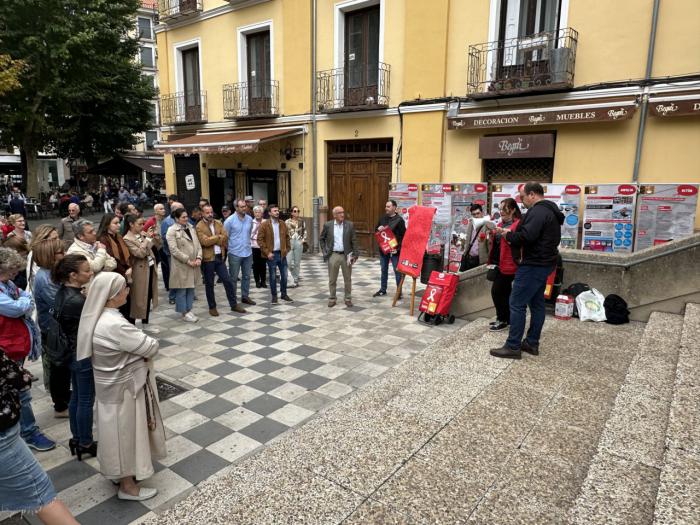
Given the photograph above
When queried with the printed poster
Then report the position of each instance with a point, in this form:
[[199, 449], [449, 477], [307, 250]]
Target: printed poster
[[566, 196], [463, 196], [405, 195], [438, 196], [608, 217], [664, 212]]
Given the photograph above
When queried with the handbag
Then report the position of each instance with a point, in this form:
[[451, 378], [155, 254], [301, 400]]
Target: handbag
[[492, 273], [57, 344], [150, 403]]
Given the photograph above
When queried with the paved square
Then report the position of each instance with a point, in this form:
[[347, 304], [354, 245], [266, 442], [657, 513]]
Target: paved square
[[249, 378]]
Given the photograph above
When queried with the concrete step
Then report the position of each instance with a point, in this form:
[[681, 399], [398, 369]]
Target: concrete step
[[678, 499], [622, 481]]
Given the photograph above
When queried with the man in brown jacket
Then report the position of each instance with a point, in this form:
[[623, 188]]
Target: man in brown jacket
[[273, 239], [213, 238]]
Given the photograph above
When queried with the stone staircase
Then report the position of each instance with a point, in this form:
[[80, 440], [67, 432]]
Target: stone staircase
[[602, 427]]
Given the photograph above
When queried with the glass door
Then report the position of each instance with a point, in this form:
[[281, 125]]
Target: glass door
[[361, 57]]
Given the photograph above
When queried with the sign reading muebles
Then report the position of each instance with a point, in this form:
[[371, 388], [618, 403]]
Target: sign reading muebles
[[538, 117]]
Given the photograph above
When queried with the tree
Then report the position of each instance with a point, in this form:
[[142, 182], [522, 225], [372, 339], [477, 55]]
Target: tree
[[82, 94], [10, 70]]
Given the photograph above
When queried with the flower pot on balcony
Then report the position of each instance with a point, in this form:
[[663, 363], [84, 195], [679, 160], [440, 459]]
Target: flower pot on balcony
[[559, 65]]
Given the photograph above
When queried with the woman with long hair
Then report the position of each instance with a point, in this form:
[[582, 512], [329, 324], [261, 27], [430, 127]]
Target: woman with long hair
[[73, 272], [109, 235], [297, 236], [128, 415], [144, 279], [501, 256], [46, 254], [259, 262]]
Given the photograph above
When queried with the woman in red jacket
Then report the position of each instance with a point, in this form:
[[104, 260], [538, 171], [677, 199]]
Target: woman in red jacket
[[501, 256]]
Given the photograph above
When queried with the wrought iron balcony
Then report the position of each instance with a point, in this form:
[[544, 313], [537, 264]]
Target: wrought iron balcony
[[183, 108], [257, 99], [172, 9], [353, 89], [539, 62]]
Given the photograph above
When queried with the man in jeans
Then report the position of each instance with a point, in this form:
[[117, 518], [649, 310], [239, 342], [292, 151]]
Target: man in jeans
[[240, 252], [396, 224], [537, 240], [214, 241], [273, 239]]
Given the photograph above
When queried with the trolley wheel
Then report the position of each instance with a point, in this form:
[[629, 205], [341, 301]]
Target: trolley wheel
[[451, 319], [438, 320]]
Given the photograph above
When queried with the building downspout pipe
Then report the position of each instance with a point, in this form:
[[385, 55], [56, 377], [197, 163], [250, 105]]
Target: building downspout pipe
[[314, 133], [645, 97]]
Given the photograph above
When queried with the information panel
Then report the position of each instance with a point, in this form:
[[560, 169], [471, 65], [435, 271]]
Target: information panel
[[463, 196], [608, 217], [405, 195], [438, 196], [664, 212]]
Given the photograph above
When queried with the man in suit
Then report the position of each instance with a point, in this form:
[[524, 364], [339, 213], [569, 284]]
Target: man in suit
[[273, 239], [339, 247]]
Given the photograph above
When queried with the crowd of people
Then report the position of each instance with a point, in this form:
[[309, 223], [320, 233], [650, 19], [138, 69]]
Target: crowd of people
[[71, 296]]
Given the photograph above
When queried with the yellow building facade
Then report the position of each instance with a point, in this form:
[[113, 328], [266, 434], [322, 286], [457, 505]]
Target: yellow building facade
[[291, 100]]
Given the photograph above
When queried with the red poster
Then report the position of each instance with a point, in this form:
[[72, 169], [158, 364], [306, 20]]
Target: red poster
[[415, 240], [386, 240]]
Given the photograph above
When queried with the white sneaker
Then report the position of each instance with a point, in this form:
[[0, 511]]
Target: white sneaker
[[189, 317], [150, 329]]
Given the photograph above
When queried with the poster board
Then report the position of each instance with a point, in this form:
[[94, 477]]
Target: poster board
[[500, 192], [608, 217], [405, 195], [664, 212], [463, 196], [439, 197]]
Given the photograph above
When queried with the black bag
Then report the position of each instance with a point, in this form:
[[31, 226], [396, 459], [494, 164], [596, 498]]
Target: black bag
[[492, 274], [57, 344], [616, 311]]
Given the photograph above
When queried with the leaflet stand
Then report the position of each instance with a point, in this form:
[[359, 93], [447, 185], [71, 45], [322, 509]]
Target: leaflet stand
[[398, 293]]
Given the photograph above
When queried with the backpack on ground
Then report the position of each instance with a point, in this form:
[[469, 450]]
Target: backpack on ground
[[616, 311], [574, 290]]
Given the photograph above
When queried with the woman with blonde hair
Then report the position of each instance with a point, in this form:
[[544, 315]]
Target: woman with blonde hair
[[128, 415], [19, 240]]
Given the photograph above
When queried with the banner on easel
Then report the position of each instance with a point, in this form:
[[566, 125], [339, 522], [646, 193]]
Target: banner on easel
[[415, 239]]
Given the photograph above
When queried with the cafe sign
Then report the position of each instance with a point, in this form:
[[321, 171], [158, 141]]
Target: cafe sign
[[675, 106], [544, 116], [517, 146]]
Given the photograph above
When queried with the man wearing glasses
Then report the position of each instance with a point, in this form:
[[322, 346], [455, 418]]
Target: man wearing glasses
[[477, 250], [240, 252]]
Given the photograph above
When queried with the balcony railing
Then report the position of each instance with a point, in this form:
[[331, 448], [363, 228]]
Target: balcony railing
[[183, 108], [352, 89], [543, 61], [171, 9], [255, 99]]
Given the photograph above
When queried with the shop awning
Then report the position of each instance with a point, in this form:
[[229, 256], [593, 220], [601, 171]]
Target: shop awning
[[227, 142], [595, 111], [148, 164], [679, 105]]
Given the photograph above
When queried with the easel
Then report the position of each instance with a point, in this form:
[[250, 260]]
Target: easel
[[398, 293]]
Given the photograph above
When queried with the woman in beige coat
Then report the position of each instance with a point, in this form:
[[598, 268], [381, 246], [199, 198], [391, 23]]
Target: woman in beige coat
[[128, 416], [144, 280], [185, 260]]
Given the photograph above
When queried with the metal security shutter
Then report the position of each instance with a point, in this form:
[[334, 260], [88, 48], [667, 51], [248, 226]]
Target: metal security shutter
[[518, 170]]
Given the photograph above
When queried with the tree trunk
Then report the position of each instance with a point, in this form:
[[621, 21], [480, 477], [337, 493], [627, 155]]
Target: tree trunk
[[30, 170]]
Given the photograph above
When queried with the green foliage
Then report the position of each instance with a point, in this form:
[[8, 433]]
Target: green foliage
[[10, 70], [82, 94]]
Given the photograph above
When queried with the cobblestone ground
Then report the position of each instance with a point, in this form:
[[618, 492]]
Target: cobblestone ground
[[248, 378]]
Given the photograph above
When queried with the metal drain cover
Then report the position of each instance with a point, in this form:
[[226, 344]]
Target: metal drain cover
[[166, 389]]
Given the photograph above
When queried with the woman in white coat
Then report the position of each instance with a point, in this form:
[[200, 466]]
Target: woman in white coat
[[185, 261], [128, 416]]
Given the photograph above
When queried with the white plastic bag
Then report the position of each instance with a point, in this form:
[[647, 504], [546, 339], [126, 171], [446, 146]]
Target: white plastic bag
[[590, 306]]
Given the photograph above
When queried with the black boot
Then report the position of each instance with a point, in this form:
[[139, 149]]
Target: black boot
[[527, 347], [91, 449]]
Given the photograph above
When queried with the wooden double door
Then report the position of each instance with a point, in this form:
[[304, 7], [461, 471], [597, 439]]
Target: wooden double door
[[361, 186]]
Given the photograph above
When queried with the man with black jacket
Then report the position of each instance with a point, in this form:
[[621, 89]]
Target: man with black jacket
[[396, 224], [535, 246]]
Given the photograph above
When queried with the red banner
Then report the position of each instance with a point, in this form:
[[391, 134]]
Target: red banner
[[413, 245]]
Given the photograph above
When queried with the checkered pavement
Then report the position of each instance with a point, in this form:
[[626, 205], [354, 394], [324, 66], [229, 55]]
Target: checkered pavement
[[249, 378]]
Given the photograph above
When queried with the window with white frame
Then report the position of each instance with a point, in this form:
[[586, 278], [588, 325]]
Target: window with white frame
[[147, 57], [145, 28], [256, 69], [151, 138]]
